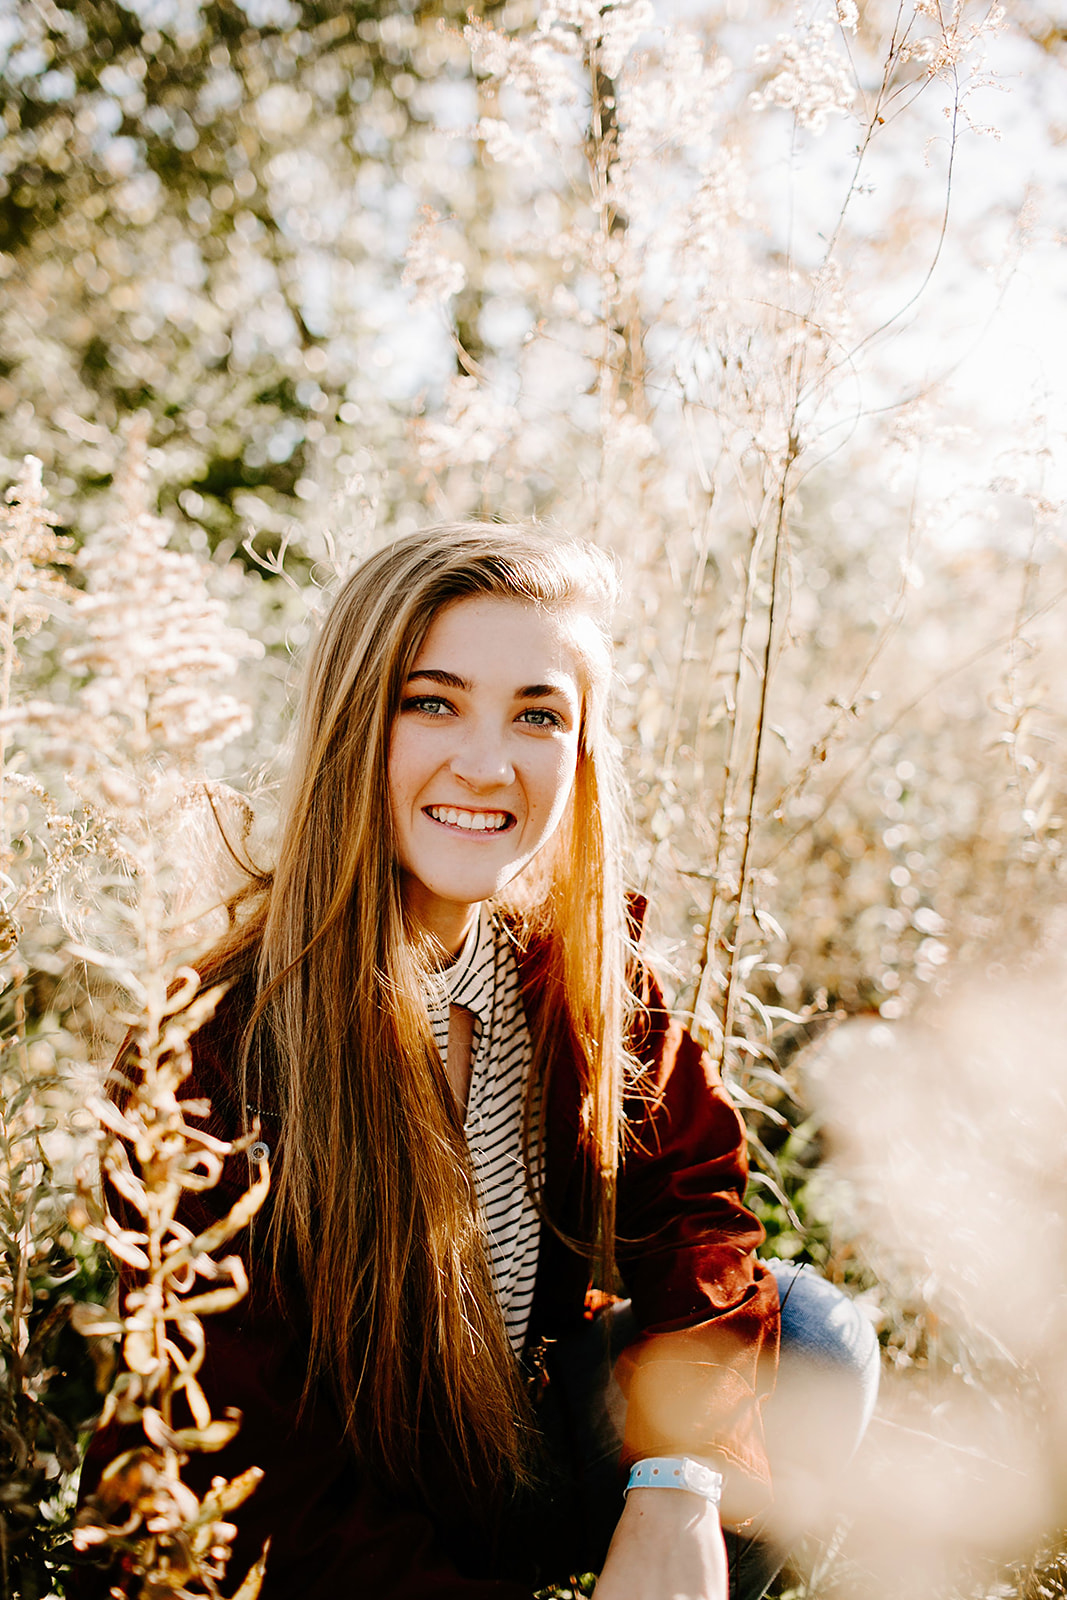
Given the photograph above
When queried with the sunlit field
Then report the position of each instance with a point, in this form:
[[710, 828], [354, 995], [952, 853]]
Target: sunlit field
[[768, 301]]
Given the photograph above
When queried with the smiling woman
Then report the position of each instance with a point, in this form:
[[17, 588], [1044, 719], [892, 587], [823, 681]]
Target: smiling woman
[[480, 773], [474, 1102]]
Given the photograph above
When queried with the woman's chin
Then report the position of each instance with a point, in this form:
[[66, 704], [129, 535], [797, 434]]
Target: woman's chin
[[444, 906]]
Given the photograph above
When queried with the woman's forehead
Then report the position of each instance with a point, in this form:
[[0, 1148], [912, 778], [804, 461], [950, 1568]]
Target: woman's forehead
[[486, 637]]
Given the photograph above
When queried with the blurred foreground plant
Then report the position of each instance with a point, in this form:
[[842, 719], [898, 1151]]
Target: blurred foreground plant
[[37, 1443], [155, 647], [946, 1136], [167, 1537], [91, 841]]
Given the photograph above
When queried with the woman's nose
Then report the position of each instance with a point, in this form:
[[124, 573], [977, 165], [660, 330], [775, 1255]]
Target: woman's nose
[[482, 760]]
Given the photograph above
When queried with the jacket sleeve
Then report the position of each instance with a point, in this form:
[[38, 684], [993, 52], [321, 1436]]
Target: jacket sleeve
[[686, 1251], [333, 1532]]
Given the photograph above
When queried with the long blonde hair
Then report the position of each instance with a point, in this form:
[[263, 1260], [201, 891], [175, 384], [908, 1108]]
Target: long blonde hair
[[373, 1191]]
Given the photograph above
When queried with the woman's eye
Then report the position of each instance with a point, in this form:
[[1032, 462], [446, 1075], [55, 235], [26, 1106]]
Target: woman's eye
[[432, 705], [541, 717]]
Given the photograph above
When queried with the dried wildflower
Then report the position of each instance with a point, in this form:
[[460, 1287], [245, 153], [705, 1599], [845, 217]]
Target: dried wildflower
[[154, 639], [678, 105], [30, 551], [848, 16], [538, 68], [37, 1445], [433, 275], [30, 589], [153, 1157], [953, 36], [708, 241], [30, 586], [153, 647], [476, 427], [807, 76], [505, 144], [628, 441], [608, 32]]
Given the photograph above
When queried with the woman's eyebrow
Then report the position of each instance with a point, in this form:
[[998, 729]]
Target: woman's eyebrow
[[449, 680], [452, 680], [538, 691]]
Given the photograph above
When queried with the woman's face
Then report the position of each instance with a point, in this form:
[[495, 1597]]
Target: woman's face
[[482, 755]]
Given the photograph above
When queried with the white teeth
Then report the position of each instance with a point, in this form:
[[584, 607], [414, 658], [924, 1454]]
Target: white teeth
[[473, 821]]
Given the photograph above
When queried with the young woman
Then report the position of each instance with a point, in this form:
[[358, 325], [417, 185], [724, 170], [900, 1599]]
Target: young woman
[[472, 1102]]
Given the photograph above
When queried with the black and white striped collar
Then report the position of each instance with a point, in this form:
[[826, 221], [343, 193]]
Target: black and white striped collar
[[469, 981]]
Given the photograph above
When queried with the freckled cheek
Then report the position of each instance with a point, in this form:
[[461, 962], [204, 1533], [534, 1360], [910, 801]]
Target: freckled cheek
[[395, 776], [557, 786], [409, 767]]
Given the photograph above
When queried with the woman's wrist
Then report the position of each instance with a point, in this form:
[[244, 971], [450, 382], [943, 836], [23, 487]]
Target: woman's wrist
[[676, 1472], [666, 1544]]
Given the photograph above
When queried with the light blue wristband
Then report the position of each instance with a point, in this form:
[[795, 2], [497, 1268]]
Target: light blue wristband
[[676, 1472]]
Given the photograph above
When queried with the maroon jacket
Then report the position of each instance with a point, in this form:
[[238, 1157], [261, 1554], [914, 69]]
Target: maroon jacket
[[708, 1308]]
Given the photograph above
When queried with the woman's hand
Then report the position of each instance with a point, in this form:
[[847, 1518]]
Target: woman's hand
[[668, 1545]]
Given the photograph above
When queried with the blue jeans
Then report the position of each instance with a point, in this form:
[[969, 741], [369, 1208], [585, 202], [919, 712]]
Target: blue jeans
[[826, 1391], [827, 1386]]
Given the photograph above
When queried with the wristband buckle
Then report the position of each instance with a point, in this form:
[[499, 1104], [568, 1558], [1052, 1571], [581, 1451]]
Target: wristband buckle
[[676, 1472]]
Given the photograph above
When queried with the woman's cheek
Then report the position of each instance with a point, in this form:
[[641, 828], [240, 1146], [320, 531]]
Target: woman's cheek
[[562, 782]]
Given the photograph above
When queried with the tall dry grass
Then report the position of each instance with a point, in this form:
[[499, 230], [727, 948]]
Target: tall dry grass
[[711, 254], [90, 853]]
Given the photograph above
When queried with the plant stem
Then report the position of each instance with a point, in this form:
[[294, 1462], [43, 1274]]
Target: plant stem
[[728, 769], [730, 985], [665, 776], [7, 667]]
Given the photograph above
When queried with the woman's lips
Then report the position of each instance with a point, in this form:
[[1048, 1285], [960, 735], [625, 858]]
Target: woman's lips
[[467, 821]]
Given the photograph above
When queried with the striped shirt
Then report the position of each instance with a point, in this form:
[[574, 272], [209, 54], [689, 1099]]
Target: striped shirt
[[485, 979]]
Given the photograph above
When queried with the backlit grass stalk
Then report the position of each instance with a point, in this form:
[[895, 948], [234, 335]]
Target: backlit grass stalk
[[154, 1155], [148, 644], [36, 1444], [749, 817], [154, 646]]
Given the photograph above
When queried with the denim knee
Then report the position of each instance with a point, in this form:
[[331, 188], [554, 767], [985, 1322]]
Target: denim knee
[[824, 1331]]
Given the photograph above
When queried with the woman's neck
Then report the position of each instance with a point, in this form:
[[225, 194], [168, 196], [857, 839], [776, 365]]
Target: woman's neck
[[447, 921]]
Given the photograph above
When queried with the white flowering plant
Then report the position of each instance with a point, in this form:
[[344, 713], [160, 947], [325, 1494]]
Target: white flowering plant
[[703, 284], [97, 851]]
